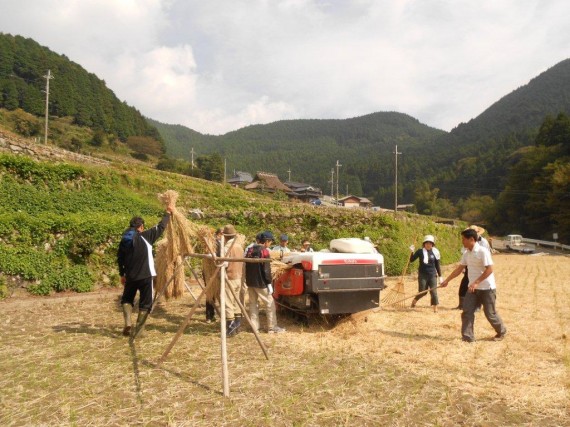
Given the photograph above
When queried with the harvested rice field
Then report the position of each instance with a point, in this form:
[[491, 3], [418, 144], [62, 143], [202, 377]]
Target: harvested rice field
[[65, 362]]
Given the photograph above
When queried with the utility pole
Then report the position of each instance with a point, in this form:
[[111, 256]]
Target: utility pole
[[289, 172], [338, 165], [225, 166], [332, 182], [48, 78], [347, 190], [396, 153], [192, 158]]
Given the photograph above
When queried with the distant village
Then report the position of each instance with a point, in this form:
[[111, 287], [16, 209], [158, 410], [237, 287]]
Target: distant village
[[265, 182]]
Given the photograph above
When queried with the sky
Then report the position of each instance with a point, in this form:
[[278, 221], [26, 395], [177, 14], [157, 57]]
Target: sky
[[217, 66]]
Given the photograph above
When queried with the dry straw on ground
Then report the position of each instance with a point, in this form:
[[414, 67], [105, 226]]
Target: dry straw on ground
[[64, 362]]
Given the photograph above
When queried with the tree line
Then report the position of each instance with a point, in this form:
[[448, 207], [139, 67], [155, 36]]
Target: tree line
[[74, 92]]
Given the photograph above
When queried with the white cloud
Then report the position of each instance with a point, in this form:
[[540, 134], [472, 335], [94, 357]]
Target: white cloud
[[216, 66]]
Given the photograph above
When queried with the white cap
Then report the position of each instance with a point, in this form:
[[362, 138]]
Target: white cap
[[429, 238]]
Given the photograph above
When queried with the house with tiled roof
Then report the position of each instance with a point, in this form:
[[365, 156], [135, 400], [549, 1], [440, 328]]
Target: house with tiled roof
[[240, 179], [355, 202], [302, 191]]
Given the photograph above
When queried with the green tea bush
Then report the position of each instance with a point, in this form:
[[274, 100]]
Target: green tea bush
[[75, 278]]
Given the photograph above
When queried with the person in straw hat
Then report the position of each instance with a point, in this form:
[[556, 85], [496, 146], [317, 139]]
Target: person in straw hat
[[429, 270], [136, 266], [234, 272], [482, 286], [259, 286], [465, 280]]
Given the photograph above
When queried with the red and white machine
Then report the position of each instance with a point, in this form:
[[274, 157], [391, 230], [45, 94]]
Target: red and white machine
[[331, 282]]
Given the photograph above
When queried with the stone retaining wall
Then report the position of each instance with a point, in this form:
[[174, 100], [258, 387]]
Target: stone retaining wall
[[12, 144]]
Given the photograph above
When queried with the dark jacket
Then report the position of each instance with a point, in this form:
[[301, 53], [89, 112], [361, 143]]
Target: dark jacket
[[257, 275], [135, 251], [432, 268]]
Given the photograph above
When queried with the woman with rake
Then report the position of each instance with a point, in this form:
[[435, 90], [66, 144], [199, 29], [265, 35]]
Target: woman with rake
[[429, 270]]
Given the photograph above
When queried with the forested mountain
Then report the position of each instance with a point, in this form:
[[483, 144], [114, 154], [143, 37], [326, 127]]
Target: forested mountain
[[74, 92], [471, 159], [479, 151], [310, 148]]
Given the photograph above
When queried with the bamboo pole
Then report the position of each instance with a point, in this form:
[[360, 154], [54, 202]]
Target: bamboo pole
[[224, 349], [244, 312], [416, 295], [180, 330], [203, 286], [186, 321], [221, 258]]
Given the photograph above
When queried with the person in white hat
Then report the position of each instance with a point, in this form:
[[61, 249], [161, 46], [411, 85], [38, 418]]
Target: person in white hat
[[429, 270]]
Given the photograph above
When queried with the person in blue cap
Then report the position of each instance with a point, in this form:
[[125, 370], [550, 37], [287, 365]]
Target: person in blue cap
[[259, 286]]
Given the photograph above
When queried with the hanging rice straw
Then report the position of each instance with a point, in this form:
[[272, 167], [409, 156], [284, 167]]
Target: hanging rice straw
[[178, 242]]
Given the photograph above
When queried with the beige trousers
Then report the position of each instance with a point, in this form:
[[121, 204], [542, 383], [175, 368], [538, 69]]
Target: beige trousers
[[232, 307], [269, 304]]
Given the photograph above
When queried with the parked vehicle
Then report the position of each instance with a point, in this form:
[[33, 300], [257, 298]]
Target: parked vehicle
[[514, 242]]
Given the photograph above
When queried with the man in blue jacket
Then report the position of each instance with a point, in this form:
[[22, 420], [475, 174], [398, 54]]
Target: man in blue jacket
[[136, 266]]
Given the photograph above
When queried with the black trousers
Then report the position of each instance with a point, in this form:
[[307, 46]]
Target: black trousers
[[210, 310], [464, 284], [144, 286]]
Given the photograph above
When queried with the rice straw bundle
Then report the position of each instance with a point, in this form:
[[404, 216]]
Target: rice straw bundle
[[170, 253], [278, 268], [209, 267]]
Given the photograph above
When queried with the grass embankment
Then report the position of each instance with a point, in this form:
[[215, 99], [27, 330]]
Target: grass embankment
[[66, 363], [61, 223]]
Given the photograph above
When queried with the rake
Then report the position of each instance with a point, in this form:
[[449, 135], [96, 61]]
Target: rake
[[397, 296]]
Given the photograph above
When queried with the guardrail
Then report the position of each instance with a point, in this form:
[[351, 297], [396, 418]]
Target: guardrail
[[555, 245]]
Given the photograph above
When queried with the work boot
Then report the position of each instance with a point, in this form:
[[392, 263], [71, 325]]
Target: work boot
[[460, 305], [140, 325], [127, 313], [232, 327]]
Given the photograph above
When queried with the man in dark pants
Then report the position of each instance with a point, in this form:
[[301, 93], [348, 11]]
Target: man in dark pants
[[465, 280], [136, 266], [482, 288]]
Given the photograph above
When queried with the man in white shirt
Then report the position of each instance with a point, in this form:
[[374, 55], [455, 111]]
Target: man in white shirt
[[482, 288]]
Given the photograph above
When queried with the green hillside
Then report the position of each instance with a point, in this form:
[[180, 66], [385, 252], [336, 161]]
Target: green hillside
[[74, 92], [310, 148], [471, 159], [475, 156], [61, 222]]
